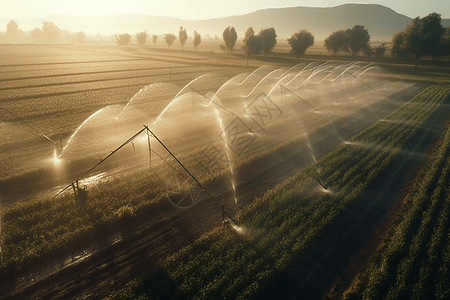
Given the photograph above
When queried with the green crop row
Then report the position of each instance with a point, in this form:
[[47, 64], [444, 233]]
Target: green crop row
[[414, 263], [275, 230]]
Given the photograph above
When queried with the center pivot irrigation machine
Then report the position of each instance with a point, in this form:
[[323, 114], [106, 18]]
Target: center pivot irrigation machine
[[195, 187]]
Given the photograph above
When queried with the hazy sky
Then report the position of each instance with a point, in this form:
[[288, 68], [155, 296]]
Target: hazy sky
[[195, 9]]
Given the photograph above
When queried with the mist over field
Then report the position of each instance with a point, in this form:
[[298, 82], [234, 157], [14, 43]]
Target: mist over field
[[286, 153]]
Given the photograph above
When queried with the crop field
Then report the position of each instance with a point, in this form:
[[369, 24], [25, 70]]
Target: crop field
[[414, 261], [155, 136], [276, 231]]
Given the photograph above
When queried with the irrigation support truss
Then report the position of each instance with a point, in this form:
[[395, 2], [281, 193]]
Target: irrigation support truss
[[227, 219], [357, 78], [176, 159], [75, 184], [297, 96]]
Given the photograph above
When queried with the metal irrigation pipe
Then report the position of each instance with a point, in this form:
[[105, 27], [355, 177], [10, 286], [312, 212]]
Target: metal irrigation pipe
[[283, 87], [167, 149]]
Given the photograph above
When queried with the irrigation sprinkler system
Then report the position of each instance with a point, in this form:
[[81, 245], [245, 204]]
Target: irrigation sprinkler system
[[58, 146], [297, 96], [227, 219], [80, 193]]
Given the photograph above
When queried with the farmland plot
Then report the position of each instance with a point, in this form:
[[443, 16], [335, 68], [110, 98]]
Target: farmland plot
[[276, 231], [191, 117], [413, 261]]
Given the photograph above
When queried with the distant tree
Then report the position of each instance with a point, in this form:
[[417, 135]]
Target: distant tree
[[169, 38], [444, 45], [80, 37], [51, 31], [229, 36], [368, 51], [432, 32], [380, 50], [268, 39], [358, 39], [182, 35], [421, 37], [12, 29], [300, 41], [123, 39], [397, 42], [141, 38], [216, 37], [37, 34], [154, 37], [337, 41], [66, 34], [251, 43], [197, 39]]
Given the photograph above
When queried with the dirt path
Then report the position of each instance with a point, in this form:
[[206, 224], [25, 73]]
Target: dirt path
[[105, 271]]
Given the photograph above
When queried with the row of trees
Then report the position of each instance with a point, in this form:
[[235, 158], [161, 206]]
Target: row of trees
[[48, 32], [354, 40], [169, 38], [420, 38]]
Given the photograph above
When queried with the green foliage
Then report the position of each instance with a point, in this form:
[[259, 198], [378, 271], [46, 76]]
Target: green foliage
[[50, 31], [337, 41], [182, 35], [278, 228], [141, 38], [37, 34], [268, 39], [123, 39], [251, 44], [413, 263], [380, 50], [444, 46], [80, 37], [229, 36], [169, 38], [358, 39], [197, 39], [12, 29], [421, 37], [154, 38], [354, 40], [300, 41]]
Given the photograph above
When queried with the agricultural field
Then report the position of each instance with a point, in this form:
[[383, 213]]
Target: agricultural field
[[276, 232], [413, 261], [217, 134]]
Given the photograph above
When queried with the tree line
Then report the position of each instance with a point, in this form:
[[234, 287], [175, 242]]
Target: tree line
[[422, 37], [49, 32], [169, 38]]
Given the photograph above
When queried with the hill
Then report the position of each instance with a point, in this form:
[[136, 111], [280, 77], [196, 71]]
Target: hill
[[382, 22]]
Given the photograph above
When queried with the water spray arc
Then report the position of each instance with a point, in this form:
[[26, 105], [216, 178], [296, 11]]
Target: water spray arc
[[176, 159], [58, 146], [295, 95], [80, 193]]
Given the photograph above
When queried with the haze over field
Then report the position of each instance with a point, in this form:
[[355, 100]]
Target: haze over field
[[381, 18]]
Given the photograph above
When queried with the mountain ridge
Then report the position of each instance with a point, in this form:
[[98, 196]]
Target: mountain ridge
[[382, 22]]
